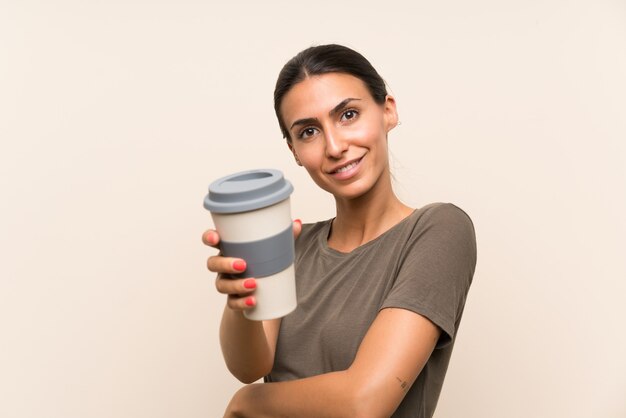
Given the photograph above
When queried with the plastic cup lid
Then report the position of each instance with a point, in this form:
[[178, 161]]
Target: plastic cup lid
[[247, 190]]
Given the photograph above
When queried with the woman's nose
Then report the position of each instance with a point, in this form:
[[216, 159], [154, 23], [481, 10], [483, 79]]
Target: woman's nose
[[336, 144]]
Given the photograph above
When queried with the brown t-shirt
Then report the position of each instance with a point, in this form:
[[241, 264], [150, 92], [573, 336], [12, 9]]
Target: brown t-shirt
[[424, 264]]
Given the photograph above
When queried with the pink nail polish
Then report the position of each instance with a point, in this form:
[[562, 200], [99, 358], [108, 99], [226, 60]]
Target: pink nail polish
[[249, 284], [239, 265], [250, 301]]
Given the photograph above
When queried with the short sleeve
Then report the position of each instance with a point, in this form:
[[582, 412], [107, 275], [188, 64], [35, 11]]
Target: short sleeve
[[436, 268]]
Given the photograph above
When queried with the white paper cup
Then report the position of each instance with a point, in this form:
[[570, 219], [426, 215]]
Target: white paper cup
[[251, 212]]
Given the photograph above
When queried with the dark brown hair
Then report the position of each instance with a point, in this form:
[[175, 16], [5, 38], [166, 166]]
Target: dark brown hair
[[324, 59]]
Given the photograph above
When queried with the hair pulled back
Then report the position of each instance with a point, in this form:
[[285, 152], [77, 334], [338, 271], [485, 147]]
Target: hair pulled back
[[324, 59]]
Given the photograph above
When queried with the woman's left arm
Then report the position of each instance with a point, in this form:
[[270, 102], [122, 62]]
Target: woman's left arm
[[389, 359]]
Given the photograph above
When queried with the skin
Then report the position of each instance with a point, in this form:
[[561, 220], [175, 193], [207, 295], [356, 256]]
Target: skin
[[333, 121], [365, 202]]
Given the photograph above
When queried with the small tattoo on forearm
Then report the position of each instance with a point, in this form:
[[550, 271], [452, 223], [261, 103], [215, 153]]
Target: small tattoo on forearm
[[403, 384]]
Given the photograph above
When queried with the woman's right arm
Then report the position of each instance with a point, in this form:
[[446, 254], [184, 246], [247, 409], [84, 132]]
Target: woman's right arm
[[245, 346], [248, 346]]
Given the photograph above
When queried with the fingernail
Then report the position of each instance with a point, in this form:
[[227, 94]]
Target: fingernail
[[299, 221], [239, 265], [249, 284], [250, 301]]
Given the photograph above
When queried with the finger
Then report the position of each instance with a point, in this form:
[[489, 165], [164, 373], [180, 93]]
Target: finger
[[297, 228], [235, 286], [211, 238], [228, 265], [241, 303]]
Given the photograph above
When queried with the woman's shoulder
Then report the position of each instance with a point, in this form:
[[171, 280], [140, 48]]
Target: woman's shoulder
[[443, 217], [442, 211], [314, 229]]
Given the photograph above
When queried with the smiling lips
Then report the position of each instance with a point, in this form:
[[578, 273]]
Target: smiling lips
[[346, 171], [347, 167]]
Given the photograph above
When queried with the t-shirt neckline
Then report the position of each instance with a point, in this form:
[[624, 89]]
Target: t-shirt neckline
[[362, 247]]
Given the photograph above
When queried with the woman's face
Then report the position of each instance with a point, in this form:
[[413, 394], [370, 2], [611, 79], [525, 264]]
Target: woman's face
[[339, 133]]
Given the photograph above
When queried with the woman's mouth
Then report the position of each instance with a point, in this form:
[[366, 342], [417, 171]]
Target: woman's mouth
[[346, 171]]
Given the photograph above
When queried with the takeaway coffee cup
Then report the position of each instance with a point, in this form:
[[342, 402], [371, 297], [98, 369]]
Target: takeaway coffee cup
[[252, 214]]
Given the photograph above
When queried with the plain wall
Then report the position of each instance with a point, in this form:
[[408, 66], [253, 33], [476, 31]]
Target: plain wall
[[115, 116]]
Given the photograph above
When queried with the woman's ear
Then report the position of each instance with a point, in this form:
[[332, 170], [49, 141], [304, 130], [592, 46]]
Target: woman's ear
[[293, 151], [390, 113]]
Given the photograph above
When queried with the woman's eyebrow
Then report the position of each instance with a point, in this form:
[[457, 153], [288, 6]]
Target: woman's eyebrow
[[332, 112], [341, 105], [305, 121]]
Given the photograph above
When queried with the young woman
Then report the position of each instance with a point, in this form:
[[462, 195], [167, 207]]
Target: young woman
[[381, 286]]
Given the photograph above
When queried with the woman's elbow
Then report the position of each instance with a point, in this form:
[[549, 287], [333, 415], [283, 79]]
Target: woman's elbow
[[249, 376], [247, 379]]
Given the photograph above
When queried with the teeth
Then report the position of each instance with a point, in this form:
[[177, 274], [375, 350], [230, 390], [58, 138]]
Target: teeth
[[347, 167]]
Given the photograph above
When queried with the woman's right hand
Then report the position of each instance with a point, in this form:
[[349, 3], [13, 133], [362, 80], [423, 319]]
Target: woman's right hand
[[248, 346], [239, 291]]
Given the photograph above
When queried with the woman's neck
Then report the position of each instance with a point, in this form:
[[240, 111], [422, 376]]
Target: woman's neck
[[365, 218]]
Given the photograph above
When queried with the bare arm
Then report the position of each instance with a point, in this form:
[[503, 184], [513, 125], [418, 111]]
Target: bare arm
[[391, 356], [248, 346]]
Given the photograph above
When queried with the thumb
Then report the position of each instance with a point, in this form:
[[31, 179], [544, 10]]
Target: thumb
[[297, 228]]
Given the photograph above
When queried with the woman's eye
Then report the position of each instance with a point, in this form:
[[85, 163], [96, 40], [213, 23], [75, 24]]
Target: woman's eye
[[307, 133], [349, 114]]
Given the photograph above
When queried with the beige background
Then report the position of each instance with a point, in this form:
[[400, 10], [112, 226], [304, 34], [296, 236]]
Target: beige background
[[115, 116]]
